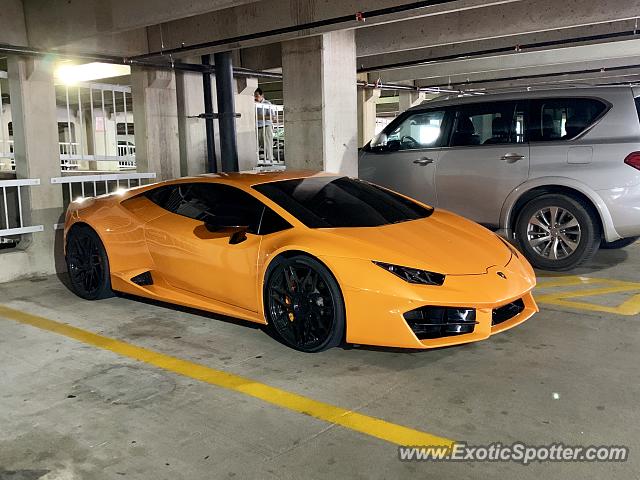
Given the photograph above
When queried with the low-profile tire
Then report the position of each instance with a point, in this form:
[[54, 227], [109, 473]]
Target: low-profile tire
[[87, 264], [623, 242], [303, 304], [558, 232]]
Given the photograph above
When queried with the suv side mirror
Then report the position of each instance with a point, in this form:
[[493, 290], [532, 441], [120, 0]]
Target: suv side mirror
[[393, 145]]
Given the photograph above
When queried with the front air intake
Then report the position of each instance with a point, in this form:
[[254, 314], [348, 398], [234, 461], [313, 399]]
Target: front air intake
[[507, 312], [437, 322]]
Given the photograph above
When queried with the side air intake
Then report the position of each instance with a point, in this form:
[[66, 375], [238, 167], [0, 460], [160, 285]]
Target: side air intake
[[143, 279]]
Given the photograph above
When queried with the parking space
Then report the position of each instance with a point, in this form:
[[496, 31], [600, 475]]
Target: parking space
[[86, 403]]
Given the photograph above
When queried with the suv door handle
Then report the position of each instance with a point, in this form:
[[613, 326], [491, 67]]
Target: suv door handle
[[511, 157], [423, 161]]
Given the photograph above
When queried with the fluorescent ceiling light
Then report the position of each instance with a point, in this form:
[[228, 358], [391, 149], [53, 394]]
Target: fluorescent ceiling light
[[72, 74]]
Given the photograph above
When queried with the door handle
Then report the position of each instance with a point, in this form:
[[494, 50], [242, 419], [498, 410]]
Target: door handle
[[511, 157], [423, 161]]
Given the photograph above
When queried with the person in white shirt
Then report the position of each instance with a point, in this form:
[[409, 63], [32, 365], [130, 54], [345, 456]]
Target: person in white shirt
[[264, 116]]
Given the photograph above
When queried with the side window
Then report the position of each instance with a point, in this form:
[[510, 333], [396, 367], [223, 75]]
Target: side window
[[489, 124], [201, 201], [418, 130], [563, 118], [272, 222]]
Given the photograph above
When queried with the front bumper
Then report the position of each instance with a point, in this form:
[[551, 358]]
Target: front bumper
[[375, 313]]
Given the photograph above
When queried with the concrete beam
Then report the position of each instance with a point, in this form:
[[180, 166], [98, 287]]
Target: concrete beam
[[590, 56], [491, 22], [129, 43], [13, 30], [52, 23], [263, 57], [525, 41], [279, 14]]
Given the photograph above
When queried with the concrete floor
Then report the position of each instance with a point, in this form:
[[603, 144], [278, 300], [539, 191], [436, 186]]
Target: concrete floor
[[72, 411]]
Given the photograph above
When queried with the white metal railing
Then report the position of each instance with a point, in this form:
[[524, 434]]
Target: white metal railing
[[68, 148], [269, 134], [11, 214], [126, 150], [93, 112], [93, 185]]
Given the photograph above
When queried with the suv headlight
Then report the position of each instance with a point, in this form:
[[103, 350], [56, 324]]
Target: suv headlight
[[413, 275]]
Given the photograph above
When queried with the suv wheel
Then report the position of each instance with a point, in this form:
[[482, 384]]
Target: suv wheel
[[558, 232]]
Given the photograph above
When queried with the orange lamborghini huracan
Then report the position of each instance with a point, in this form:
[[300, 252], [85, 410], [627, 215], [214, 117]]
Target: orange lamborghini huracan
[[319, 258]]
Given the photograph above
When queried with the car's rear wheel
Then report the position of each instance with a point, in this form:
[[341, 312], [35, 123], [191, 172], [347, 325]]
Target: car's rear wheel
[[303, 304], [623, 242], [558, 232], [87, 264]]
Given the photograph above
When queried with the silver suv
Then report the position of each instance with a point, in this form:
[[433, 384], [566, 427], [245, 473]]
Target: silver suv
[[558, 170]]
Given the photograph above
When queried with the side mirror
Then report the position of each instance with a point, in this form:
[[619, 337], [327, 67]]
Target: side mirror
[[233, 225], [393, 145]]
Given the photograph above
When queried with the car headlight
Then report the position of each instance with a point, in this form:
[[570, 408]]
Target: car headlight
[[413, 275]]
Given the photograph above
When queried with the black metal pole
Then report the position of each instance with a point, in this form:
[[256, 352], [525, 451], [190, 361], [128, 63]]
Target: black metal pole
[[208, 121], [226, 112]]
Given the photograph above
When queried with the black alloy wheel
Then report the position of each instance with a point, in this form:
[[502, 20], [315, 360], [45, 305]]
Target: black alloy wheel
[[303, 304], [87, 264]]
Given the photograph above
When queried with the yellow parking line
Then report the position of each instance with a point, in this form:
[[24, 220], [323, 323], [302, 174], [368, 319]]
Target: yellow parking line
[[608, 286], [372, 426], [568, 281]]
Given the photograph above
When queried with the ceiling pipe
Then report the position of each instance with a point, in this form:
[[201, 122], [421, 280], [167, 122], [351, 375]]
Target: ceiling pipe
[[542, 75], [410, 88], [113, 59]]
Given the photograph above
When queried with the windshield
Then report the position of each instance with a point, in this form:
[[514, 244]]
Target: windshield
[[325, 202]]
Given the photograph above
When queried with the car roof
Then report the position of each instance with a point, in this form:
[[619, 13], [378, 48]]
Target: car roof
[[250, 178]]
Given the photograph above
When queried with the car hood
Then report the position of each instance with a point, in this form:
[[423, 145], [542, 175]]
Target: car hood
[[443, 243]]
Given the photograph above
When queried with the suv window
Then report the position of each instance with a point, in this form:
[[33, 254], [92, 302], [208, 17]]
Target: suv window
[[562, 118], [488, 124], [203, 200], [422, 129]]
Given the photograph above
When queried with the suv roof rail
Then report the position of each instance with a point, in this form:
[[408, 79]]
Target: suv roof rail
[[520, 89]]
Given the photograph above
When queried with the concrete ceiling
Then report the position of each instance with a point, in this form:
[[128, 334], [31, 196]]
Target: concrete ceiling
[[422, 45]]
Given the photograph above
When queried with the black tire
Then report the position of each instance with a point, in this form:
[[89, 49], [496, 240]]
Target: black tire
[[303, 304], [583, 240], [623, 242], [87, 264]]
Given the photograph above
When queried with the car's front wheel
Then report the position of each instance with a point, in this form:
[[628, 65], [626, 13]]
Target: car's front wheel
[[87, 264], [303, 304], [558, 232]]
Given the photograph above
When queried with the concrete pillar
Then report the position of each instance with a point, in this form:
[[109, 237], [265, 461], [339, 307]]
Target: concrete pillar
[[191, 131], [408, 99], [246, 124], [155, 114], [35, 135], [367, 100], [319, 88]]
